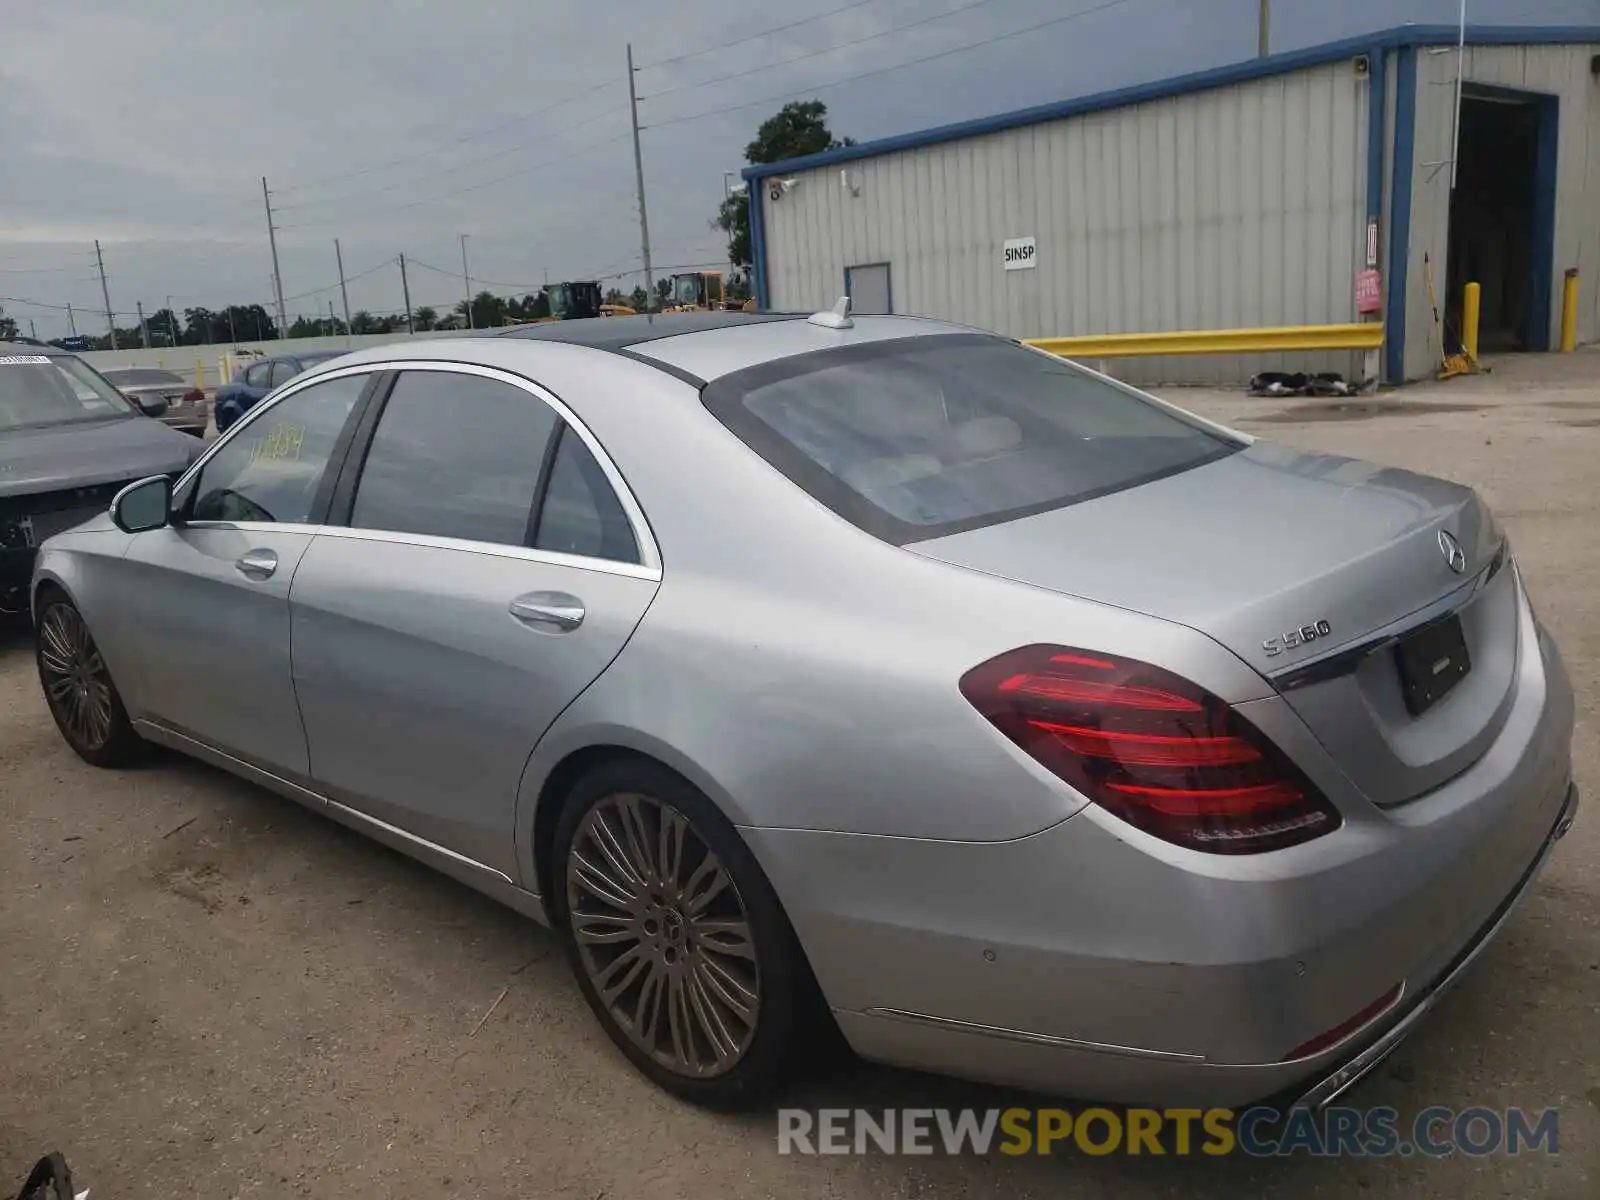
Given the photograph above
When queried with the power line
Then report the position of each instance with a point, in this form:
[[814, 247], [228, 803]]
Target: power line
[[832, 12], [915, 62], [324, 221], [783, 62], [450, 170], [470, 137]]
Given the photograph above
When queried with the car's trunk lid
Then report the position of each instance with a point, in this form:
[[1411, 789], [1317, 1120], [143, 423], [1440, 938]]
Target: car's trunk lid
[[1269, 544]]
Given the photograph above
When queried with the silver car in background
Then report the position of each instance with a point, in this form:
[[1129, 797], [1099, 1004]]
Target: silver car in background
[[165, 395], [879, 670]]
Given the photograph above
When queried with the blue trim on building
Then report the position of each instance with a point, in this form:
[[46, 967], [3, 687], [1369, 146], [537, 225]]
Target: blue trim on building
[[1405, 140], [1276, 64], [1544, 223], [758, 245], [1377, 102]]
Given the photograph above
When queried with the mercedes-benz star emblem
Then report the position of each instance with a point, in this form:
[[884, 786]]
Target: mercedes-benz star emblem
[[1452, 551]]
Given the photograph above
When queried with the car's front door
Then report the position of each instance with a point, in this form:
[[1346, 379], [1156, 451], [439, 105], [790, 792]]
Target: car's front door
[[209, 596], [488, 573]]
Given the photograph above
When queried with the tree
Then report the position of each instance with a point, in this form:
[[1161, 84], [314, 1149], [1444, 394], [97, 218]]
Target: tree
[[425, 318], [614, 296], [738, 286], [663, 291], [363, 323], [637, 299], [798, 128], [8, 327]]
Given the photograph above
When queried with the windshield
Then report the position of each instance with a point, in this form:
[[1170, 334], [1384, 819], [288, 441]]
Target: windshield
[[686, 289], [141, 378], [560, 301], [36, 389], [916, 438]]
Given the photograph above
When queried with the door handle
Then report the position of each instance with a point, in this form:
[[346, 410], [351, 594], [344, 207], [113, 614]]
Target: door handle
[[257, 564], [556, 612]]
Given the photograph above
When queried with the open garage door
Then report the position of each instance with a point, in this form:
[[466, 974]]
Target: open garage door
[[1502, 215]]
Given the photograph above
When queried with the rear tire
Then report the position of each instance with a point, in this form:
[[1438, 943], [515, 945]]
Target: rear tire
[[78, 687], [679, 943]]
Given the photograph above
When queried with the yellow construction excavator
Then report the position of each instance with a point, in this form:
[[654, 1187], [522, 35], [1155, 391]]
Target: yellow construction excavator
[[703, 291]]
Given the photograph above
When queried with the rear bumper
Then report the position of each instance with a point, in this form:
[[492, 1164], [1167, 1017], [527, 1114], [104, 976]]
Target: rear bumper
[[1092, 961], [1366, 1058]]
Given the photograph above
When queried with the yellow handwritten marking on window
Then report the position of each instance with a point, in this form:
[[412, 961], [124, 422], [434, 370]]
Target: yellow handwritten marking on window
[[282, 442]]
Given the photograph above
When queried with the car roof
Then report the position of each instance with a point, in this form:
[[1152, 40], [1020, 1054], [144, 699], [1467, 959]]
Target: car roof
[[693, 347], [24, 348], [622, 333], [700, 347]]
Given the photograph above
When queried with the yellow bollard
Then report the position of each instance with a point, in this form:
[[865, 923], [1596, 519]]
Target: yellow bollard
[[1471, 309], [1569, 312], [199, 373]]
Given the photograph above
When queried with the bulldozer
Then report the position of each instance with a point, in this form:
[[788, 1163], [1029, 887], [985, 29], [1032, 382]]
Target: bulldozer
[[575, 300], [703, 291]]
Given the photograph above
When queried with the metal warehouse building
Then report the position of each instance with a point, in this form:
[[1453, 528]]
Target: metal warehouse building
[[1246, 196]]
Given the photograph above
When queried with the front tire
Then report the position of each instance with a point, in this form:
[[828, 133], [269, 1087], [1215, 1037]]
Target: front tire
[[679, 943], [78, 687]]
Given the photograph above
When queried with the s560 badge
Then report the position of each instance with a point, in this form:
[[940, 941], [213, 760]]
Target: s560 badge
[[1296, 637]]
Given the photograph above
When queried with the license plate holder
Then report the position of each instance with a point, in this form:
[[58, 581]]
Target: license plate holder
[[1431, 660]]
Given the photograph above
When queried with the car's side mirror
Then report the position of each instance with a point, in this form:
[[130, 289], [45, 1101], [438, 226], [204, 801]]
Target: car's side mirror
[[143, 506], [150, 406]]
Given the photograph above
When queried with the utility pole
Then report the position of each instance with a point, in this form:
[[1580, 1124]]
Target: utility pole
[[144, 329], [272, 241], [344, 292], [72, 322], [33, 330], [172, 321], [333, 321], [466, 280], [405, 290], [638, 171], [1264, 29], [105, 293]]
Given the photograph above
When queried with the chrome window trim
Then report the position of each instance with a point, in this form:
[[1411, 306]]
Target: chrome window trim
[[258, 526], [649, 566], [553, 558]]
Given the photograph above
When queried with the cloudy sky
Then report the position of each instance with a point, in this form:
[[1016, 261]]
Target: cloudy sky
[[397, 125]]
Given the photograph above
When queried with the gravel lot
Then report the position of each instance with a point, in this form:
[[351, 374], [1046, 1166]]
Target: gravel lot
[[208, 991]]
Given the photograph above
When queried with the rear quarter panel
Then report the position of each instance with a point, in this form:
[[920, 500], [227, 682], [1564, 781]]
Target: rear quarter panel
[[803, 673]]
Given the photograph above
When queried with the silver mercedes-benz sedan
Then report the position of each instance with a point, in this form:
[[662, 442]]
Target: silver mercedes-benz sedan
[[875, 670]]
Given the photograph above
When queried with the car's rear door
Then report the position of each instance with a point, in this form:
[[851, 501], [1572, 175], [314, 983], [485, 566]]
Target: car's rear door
[[208, 596], [492, 566]]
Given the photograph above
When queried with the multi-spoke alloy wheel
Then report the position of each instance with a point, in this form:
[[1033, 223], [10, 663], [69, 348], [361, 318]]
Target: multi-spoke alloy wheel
[[79, 690], [679, 942], [663, 935]]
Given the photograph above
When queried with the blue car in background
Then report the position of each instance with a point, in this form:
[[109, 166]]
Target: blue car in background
[[258, 377]]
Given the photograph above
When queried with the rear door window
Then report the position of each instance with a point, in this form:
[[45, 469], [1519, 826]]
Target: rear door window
[[917, 438], [581, 513], [455, 455]]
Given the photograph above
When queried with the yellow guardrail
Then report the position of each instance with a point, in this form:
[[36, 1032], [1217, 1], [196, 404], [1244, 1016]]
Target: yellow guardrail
[[1365, 335]]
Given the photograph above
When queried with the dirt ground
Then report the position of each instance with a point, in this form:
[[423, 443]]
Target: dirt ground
[[207, 991]]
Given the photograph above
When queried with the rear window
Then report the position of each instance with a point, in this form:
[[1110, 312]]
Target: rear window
[[917, 438]]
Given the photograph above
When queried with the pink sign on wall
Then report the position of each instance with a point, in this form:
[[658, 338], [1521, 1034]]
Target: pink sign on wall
[[1369, 292]]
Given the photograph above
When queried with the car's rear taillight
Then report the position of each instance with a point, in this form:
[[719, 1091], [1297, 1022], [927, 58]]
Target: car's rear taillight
[[1156, 750]]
